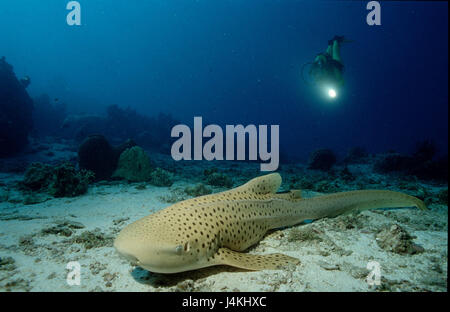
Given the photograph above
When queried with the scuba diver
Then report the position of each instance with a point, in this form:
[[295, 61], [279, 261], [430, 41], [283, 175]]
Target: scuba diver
[[327, 68]]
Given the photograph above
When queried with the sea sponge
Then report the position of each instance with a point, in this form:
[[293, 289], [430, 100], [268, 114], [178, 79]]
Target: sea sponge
[[161, 177], [219, 179], [68, 182], [134, 165], [322, 159], [37, 176], [198, 190], [16, 109], [60, 181], [97, 155]]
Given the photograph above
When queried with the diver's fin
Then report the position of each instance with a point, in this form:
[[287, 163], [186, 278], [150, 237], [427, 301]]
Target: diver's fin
[[339, 39], [252, 262]]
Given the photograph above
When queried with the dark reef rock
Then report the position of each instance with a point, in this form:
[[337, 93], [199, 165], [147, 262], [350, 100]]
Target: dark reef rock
[[80, 127], [425, 150], [149, 132], [443, 197], [59, 181], [322, 159], [16, 108], [100, 157], [421, 163], [393, 162], [97, 155], [431, 169], [356, 155]]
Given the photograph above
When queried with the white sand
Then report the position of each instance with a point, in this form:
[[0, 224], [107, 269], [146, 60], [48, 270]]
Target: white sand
[[338, 263]]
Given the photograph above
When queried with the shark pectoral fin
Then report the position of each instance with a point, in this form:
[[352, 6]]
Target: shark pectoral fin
[[253, 262]]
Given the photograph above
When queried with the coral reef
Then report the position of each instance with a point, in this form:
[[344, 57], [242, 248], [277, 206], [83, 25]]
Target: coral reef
[[393, 162], [93, 239], [79, 127], [304, 234], [120, 124], [69, 182], [197, 190], [7, 264], [322, 159], [161, 177], [134, 165], [97, 155], [356, 155], [4, 194], [16, 108], [443, 196], [38, 176], [218, 179], [59, 181], [395, 239], [150, 132], [421, 164]]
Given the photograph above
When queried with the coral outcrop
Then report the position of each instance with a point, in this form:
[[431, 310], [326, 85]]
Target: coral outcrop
[[161, 177], [16, 108], [100, 157], [356, 155], [322, 159], [218, 179], [422, 163], [134, 165], [60, 181], [395, 239]]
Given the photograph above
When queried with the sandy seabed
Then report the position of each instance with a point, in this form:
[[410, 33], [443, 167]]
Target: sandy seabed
[[38, 241]]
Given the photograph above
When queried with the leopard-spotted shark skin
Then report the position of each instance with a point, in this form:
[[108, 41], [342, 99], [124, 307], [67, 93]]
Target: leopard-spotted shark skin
[[216, 229]]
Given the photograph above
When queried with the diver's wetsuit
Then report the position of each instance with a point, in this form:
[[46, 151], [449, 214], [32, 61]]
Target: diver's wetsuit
[[325, 67], [328, 67]]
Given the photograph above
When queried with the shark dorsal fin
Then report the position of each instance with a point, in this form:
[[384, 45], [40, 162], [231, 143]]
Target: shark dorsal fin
[[265, 184]]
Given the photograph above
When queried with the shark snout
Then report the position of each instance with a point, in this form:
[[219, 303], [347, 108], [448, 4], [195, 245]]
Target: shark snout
[[126, 250], [127, 256]]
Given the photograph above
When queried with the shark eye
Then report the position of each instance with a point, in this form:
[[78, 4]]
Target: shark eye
[[179, 249], [182, 248]]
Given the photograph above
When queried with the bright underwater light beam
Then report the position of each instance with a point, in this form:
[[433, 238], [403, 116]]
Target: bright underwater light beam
[[332, 93]]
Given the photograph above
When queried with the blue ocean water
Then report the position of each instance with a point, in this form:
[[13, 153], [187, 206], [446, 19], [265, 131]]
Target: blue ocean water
[[237, 62], [89, 176]]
